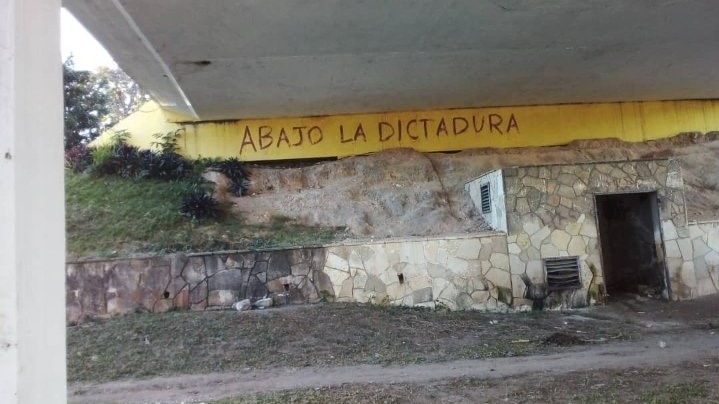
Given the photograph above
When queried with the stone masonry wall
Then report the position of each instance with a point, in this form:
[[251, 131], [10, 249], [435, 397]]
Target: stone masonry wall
[[692, 258], [198, 282], [551, 213], [469, 272]]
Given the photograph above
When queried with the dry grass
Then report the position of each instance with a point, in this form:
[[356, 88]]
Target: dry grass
[[142, 345]]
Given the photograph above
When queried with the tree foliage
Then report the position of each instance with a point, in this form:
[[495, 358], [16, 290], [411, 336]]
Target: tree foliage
[[95, 101]]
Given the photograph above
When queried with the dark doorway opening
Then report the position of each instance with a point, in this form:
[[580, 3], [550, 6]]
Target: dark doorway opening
[[631, 244]]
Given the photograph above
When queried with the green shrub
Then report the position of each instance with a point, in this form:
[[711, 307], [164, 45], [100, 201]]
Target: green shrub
[[234, 170], [198, 203], [78, 158]]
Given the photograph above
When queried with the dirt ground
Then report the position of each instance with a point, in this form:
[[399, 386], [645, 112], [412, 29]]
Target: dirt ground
[[635, 350], [402, 192]]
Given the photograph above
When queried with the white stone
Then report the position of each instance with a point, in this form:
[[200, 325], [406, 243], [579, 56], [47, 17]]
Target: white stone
[[535, 272], [531, 227], [500, 260], [242, 305], [518, 287], [672, 249], [516, 265], [540, 236], [438, 285], [419, 282], [442, 256], [589, 229], [480, 296], [486, 265], [670, 232], [549, 251], [674, 179], [264, 303], [380, 263], [560, 239], [688, 276], [573, 228], [336, 277], [514, 248], [430, 251], [468, 248], [360, 281], [457, 266], [449, 293], [713, 239], [712, 259], [685, 246], [412, 253], [705, 287], [576, 246], [695, 231], [336, 262], [510, 239], [498, 277], [523, 240], [355, 261]]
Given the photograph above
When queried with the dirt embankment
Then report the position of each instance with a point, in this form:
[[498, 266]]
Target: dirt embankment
[[402, 192]]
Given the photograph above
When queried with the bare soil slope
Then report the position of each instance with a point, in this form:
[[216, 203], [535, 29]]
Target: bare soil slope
[[402, 192]]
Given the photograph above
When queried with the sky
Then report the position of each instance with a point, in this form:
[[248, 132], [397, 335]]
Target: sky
[[87, 53]]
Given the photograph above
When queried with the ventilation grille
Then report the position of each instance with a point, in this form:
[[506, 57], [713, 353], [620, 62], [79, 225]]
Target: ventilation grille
[[562, 273], [486, 198]]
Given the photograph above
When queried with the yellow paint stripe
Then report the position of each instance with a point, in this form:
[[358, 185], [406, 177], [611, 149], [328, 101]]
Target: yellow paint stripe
[[436, 130]]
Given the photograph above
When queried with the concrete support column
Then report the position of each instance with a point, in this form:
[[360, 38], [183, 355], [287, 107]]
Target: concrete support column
[[32, 241]]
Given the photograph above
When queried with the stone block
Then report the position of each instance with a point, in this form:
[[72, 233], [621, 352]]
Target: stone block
[[222, 298], [688, 276], [700, 247], [516, 265], [669, 230], [576, 246], [500, 261], [231, 279], [498, 278], [194, 271], [518, 287], [588, 229], [336, 262], [278, 265], [560, 239], [457, 266], [468, 248], [419, 296], [713, 239], [336, 276], [672, 249], [537, 238], [549, 251], [198, 293]]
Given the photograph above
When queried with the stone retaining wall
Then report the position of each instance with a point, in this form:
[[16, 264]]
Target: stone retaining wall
[[462, 273], [692, 258], [551, 213], [467, 272], [156, 284]]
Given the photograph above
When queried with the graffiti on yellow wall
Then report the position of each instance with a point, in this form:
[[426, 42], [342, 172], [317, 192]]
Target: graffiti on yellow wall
[[437, 130]]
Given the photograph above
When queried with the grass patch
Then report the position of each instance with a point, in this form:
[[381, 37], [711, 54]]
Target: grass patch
[[115, 217], [607, 387], [142, 345]]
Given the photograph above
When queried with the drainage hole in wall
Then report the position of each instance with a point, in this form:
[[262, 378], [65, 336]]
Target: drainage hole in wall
[[166, 295], [401, 278], [286, 286]]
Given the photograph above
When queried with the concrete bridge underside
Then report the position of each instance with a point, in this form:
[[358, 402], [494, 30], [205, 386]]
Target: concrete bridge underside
[[228, 59]]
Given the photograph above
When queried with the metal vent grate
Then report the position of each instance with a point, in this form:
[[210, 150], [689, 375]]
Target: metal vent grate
[[562, 273], [486, 198]]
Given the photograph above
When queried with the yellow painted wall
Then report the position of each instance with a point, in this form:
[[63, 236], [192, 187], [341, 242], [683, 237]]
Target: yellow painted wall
[[437, 130]]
